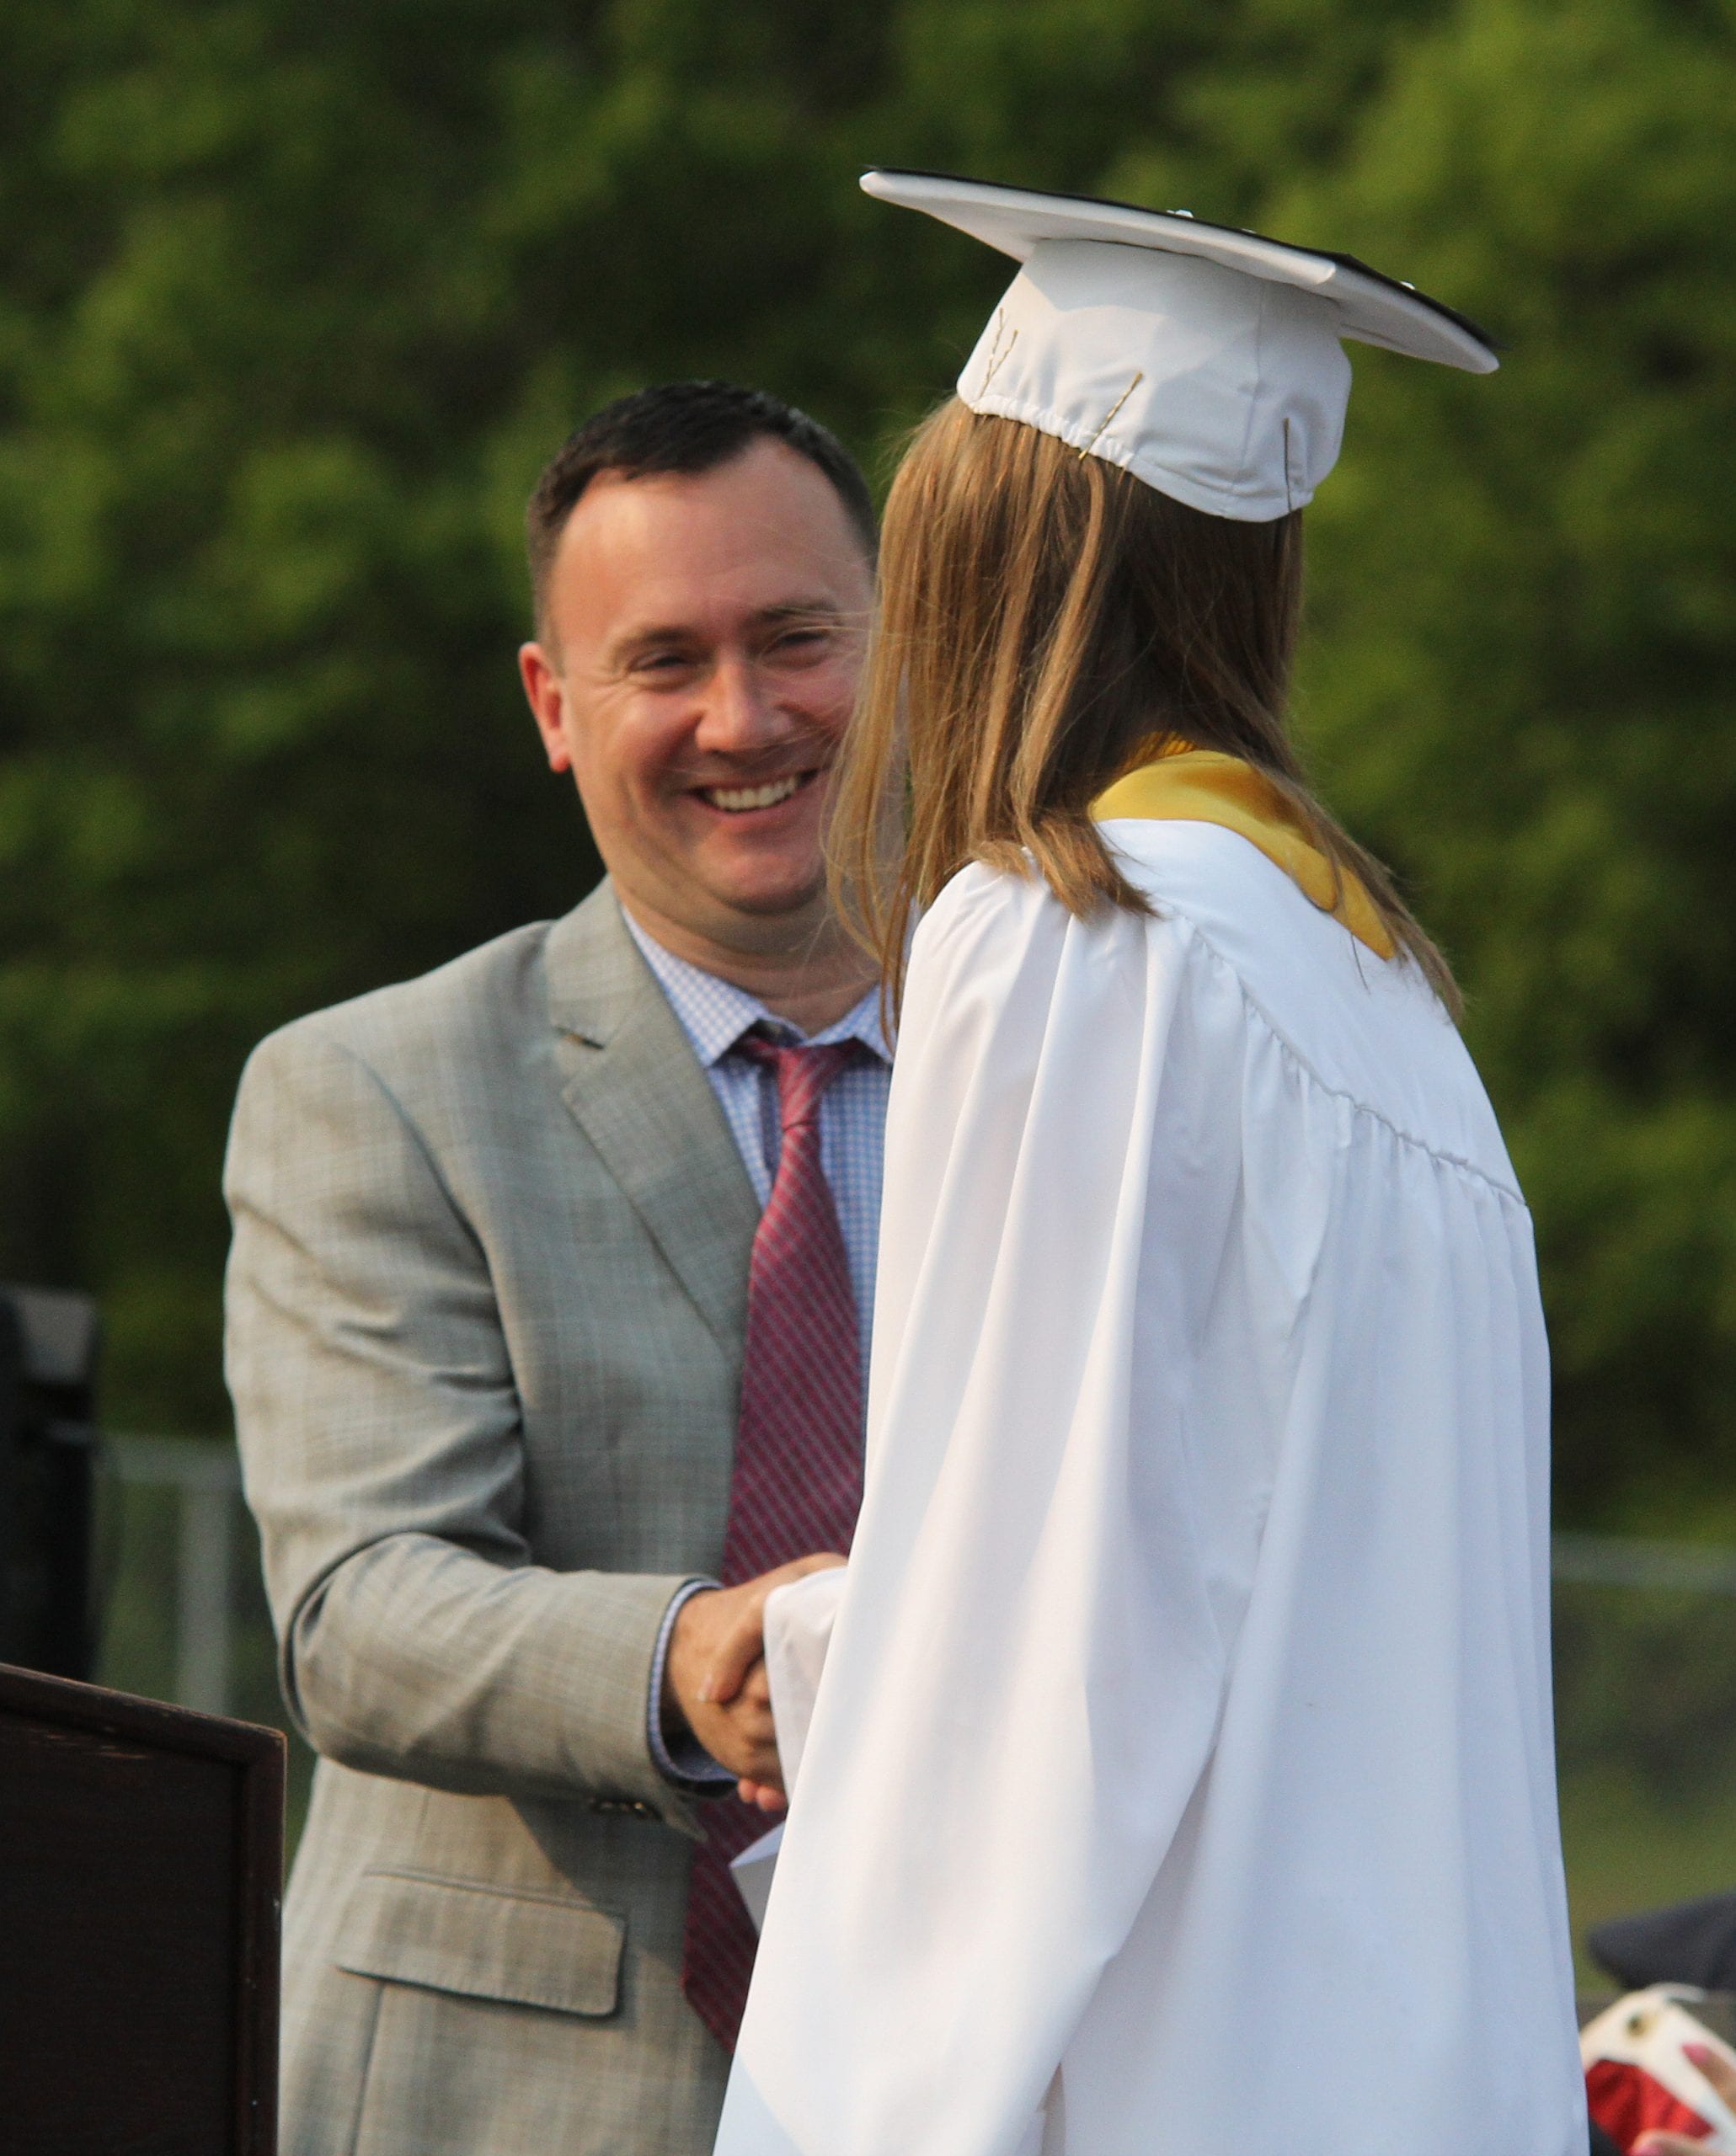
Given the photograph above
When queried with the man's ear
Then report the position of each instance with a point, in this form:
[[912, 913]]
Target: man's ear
[[546, 696]]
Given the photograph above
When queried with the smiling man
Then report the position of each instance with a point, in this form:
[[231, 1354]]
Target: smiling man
[[699, 639], [548, 1304]]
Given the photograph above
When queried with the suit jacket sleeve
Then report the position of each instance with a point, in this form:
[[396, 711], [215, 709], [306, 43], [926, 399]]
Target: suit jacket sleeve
[[381, 1445]]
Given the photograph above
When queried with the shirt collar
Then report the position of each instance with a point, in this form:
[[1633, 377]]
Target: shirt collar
[[715, 1013]]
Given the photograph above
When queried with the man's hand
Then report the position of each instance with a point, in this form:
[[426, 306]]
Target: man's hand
[[714, 1677], [1721, 2078]]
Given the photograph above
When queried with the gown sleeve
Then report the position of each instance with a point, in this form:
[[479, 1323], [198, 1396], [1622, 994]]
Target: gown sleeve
[[1028, 1671]]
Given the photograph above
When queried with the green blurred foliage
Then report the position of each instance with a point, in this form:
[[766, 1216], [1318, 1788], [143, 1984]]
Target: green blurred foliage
[[1521, 687], [296, 301]]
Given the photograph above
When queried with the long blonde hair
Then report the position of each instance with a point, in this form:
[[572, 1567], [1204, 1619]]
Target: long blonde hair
[[1046, 620]]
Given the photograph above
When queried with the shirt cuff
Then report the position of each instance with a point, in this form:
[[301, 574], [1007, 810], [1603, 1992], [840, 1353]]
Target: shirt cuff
[[686, 1764]]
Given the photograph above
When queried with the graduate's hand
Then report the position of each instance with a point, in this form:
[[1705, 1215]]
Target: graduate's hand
[[741, 1660], [714, 1677], [1721, 2076], [741, 1649]]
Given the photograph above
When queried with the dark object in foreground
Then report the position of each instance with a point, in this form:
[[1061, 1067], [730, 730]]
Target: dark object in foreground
[[48, 1350], [141, 1875], [1601, 2144], [1689, 1943]]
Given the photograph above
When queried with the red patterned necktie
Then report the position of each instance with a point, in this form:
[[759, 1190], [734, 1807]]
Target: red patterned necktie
[[797, 1487]]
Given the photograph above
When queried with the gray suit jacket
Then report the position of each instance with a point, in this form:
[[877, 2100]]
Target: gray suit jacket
[[486, 1302]]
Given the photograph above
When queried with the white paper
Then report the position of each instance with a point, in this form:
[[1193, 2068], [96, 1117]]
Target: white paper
[[752, 1873]]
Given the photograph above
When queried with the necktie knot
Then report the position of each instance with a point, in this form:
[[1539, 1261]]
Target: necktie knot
[[803, 1073]]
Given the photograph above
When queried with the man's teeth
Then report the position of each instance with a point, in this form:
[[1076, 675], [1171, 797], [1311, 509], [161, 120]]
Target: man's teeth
[[752, 797]]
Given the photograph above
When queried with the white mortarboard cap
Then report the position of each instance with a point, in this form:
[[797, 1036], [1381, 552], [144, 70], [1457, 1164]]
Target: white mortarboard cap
[[1205, 361]]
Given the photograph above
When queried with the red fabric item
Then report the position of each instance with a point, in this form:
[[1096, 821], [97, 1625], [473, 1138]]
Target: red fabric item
[[797, 1486], [1626, 2102]]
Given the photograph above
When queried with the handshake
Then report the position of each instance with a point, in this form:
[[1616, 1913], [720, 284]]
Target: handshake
[[715, 1682]]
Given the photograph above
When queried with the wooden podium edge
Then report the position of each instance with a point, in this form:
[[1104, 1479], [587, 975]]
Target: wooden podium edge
[[260, 1754]]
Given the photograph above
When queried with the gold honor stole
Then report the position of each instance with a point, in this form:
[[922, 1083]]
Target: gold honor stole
[[1201, 786]]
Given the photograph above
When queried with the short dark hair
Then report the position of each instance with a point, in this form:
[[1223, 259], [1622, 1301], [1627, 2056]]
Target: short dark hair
[[685, 427]]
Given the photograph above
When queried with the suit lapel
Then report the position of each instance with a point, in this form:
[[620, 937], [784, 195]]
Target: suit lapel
[[632, 1083]]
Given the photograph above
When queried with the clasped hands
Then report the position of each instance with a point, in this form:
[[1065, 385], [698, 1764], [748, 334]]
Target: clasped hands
[[714, 1680]]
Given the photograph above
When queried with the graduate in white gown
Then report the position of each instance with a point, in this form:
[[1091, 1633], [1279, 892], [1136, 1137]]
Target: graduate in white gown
[[1181, 1779]]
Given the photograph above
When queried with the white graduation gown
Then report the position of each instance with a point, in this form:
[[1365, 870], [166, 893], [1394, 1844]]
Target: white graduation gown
[[1181, 1781]]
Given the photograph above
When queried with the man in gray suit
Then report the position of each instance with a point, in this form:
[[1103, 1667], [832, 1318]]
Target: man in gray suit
[[488, 1301]]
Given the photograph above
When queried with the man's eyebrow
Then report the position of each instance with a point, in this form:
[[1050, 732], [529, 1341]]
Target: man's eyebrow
[[800, 610], [654, 633], [653, 636]]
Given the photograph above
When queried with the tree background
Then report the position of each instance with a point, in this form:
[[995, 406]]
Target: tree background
[[296, 301]]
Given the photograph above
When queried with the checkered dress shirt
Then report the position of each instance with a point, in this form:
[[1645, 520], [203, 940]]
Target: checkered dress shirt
[[714, 1015]]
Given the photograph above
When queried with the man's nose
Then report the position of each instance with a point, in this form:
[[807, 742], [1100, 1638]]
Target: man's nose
[[739, 713]]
